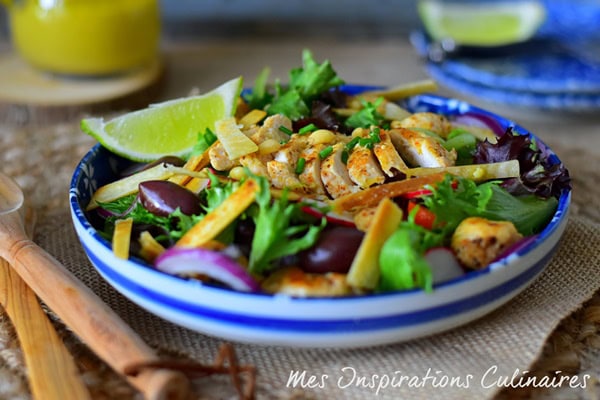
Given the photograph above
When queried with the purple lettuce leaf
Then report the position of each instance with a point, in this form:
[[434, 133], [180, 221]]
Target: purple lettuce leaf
[[538, 175]]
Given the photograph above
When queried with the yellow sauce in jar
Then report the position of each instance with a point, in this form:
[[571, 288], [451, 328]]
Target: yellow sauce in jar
[[86, 37]]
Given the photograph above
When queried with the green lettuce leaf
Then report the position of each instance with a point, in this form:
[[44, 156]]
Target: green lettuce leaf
[[277, 236]]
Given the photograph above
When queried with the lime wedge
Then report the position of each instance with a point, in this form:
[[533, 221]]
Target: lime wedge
[[482, 23], [169, 128]]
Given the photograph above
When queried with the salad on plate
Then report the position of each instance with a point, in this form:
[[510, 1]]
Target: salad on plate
[[315, 188]]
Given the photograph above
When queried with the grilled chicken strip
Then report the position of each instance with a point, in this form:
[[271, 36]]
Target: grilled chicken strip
[[282, 169], [219, 158], [427, 120], [283, 176], [311, 175], [420, 149], [363, 169], [387, 155], [334, 174], [295, 282], [256, 163], [270, 129]]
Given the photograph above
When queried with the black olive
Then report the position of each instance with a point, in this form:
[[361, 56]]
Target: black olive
[[333, 251], [163, 197], [244, 233]]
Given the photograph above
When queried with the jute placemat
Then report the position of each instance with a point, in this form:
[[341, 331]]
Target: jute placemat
[[474, 361]]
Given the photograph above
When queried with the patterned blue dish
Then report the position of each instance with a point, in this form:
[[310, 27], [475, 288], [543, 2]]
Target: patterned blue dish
[[564, 102], [318, 322], [553, 69], [559, 77]]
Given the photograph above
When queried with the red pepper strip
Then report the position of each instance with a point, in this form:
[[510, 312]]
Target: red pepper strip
[[423, 192], [423, 217]]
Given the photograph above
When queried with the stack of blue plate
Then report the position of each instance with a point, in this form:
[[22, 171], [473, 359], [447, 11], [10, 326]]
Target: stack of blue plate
[[548, 74]]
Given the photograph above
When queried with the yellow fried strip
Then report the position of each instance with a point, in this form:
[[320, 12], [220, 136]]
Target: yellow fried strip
[[194, 163], [129, 184], [475, 172], [252, 118], [364, 271], [217, 220], [122, 237], [150, 247], [372, 196]]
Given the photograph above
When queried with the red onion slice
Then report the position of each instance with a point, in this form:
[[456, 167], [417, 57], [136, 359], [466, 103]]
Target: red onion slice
[[218, 266], [104, 213], [480, 120]]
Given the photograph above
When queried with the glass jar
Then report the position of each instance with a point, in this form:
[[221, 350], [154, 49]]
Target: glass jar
[[85, 37]]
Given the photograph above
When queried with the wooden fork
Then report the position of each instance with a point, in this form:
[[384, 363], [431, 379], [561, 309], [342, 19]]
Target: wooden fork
[[52, 372]]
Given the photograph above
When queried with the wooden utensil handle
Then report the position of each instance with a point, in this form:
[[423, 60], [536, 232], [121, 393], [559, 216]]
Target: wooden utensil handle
[[93, 321], [52, 372]]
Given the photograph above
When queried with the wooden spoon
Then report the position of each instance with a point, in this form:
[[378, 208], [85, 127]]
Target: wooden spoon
[[52, 373], [78, 306]]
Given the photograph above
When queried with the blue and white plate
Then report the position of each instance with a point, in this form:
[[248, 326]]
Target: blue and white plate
[[556, 77], [314, 322], [564, 102]]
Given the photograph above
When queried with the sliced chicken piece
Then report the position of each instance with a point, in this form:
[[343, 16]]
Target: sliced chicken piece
[[290, 152], [219, 158], [363, 169], [257, 164], [418, 148], [282, 169], [293, 281], [283, 176], [334, 174], [390, 161], [270, 129], [478, 241], [427, 120], [311, 175], [251, 131]]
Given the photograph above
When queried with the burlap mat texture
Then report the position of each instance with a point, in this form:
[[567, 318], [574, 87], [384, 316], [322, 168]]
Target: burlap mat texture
[[552, 326]]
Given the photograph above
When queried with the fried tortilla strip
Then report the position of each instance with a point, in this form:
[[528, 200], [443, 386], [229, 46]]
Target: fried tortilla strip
[[364, 271], [195, 163], [150, 248], [122, 237], [475, 172], [217, 220], [372, 197], [129, 184], [401, 91]]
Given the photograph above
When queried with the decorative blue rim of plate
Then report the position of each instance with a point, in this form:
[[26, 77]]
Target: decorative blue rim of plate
[[567, 102], [267, 319], [540, 66]]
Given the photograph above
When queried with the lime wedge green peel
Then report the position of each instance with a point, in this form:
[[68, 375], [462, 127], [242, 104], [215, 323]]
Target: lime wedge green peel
[[169, 128], [482, 23]]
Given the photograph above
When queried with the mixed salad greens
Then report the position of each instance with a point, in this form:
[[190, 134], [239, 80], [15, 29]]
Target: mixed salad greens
[[337, 196]]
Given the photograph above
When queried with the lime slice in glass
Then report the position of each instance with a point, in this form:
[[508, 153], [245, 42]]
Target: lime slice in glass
[[168, 128], [481, 23]]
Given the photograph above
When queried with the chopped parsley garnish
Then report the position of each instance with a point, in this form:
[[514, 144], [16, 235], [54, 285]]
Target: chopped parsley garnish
[[285, 130], [300, 166], [326, 152], [307, 129], [345, 156]]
